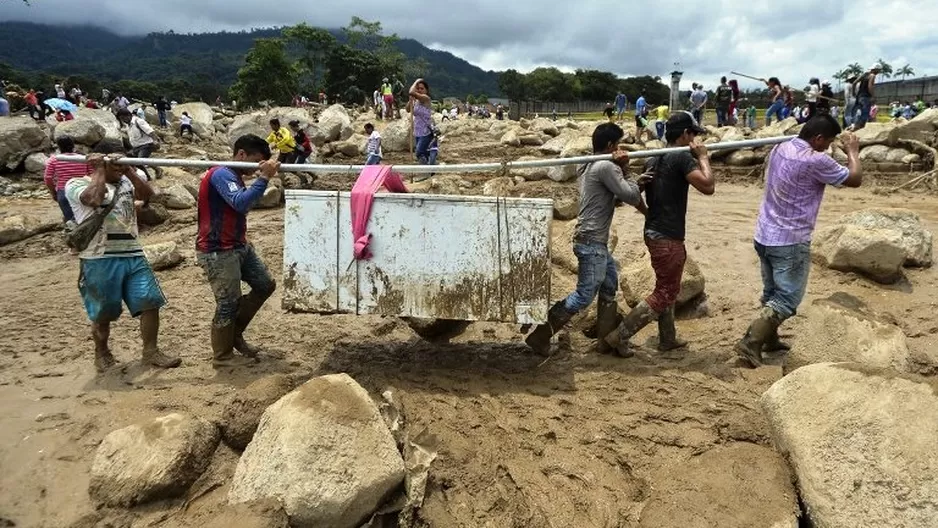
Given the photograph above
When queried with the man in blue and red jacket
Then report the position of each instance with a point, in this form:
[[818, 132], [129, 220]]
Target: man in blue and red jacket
[[224, 253]]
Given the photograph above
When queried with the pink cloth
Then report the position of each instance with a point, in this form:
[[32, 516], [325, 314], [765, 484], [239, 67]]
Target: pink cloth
[[363, 194]]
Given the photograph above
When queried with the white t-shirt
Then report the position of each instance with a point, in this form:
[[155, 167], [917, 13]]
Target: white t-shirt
[[185, 120], [118, 236], [812, 93], [139, 132], [374, 144]]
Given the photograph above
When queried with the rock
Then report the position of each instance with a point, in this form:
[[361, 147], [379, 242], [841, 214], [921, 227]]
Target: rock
[[177, 197], [396, 137], [324, 452], [876, 253], [861, 443], [554, 146], [531, 140], [566, 206], [916, 241], [14, 228], [705, 491], [510, 139], [884, 154], [112, 127], [561, 245], [352, 147], [545, 126], [501, 186], [35, 164], [19, 136], [638, 281], [841, 328], [153, 117], [180, 176], [744, 158], [779, 128], [151, 460], [920, 128], [82, 131], [220, 128], [579, 146], [162, 256], [202, 117], [263, 514], [333, 120], [240, 417], [876, 133], [153, 214], [253, 123], [272, 196]]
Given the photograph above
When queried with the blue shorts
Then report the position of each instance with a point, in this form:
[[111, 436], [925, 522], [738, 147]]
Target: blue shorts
[[107, 282]]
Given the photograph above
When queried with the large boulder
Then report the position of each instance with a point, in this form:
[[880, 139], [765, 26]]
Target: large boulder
[[112, 127], [82, 131], [531, 140], [333, 121], [886, 154], [530, 174], [566, 206], [352, 147], [253, 123], [324, 452], [579, 146], [163, 255], [14, 228], [272, 197], [510, 139], [151, 460], [544, 126], [873, 133], [920, 128], [744, 158], [842, 328], [19, 137], [202, 117], [916, 241], [243, 413], [705, 491], [153, 214], [561, 242], [35, 165], [396, 137], [876, 253], [861, 443], [637, 281], [177, 197], [784, 127]]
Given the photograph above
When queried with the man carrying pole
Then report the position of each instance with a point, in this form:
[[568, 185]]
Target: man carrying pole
[[796, 174], [224, 253], [666, 192], [602, 187]]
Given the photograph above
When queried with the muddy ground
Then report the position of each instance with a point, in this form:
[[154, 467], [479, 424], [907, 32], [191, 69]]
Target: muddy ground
[[580, 440]]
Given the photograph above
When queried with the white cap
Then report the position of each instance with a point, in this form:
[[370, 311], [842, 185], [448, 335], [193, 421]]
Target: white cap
[[826, 82], [876, 66]]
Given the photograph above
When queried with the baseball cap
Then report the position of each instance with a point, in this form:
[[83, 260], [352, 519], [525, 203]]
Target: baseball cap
[[876, 66], [683, 120]]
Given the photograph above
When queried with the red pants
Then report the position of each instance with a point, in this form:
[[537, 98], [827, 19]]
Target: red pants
[[667, 259]]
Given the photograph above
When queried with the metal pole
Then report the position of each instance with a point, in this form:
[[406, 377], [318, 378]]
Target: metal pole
[[419, 169]]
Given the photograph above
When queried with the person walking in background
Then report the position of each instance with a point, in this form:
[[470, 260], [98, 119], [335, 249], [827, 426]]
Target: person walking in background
[[641, 117], [419, 104], [59, 173], [865, 90], [797, 173], [387, 96], [811, 95], [304, 146], [162, 106], [373, 147], [620, 106], [734, 102], [185, 124], [143, 139], [825, 98], [724, 97], [777, 96], [661, 114], [751, 116], [281, 139], [698, 101]]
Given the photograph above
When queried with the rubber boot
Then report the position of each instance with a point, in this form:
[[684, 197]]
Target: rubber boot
[[149, 331], [774, 344], [103, 359], [222, 348], [539, 339], [667, 332], [607, 319], [248, 307], [637, 319], [749, 347]]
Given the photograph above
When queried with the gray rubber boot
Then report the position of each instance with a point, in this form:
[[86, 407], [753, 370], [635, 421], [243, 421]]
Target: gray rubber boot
[[749, 347], [607, 319], [637, 319], [667, 332]]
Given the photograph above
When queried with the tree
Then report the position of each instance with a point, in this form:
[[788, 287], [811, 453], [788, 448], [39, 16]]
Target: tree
[[470, 99], [482, 99], [267, 75], [905, 71], [349, 67], [551, 84], [886, 68], [598, 85], [369, 36], [316, 45], [513, 85]]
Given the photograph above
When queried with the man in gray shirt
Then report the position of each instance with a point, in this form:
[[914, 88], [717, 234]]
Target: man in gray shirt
[[602, 187]]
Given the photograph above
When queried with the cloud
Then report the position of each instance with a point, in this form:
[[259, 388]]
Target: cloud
[[794, 40]]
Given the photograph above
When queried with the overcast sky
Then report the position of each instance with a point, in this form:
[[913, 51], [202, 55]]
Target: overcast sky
[[791, 39]]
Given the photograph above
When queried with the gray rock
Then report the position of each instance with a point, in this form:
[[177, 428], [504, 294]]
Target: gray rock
[[177, 197], [151, 460], [202, 117], [324, 452], [916, 241], [242, 415], [19, 137], [14, 228], [333, 120], [35, 165], [163, 255], [861, 442], [566, 207], [271, 198], [876, 253], [152, 215]]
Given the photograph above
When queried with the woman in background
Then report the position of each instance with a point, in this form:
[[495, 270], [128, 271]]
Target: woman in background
[[420, 106]]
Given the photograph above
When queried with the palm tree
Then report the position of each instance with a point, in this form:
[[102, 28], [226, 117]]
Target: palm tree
[[905, 71], [886, 68]]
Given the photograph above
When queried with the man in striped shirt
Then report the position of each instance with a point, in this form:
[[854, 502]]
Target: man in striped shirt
[[796, 175], [58, 173], [113, 269]]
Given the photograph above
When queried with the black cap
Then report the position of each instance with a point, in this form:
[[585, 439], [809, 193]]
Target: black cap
[[683, 120]]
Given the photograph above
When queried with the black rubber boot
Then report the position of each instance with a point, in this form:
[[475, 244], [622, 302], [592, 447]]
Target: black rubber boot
[[223, 338], [667, 332], [749, 347], [637, 319], [607, 319], [774, 344], [539, 339]]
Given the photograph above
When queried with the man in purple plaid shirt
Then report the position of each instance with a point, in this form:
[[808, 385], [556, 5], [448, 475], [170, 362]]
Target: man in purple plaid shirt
[[796, 175]]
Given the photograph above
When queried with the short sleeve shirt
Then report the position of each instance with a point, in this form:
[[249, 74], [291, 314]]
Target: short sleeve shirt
[[667, 195], [118, 236], [795, 179]]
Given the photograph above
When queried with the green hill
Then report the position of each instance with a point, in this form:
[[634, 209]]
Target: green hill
[[203, 65]]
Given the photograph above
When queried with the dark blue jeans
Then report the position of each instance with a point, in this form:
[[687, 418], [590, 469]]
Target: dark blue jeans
[[776, 110], [784, 276], [422, 148], [225, 270], [596, 273], [721, 116], [162, 114], [864, 104], [64, 205]]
